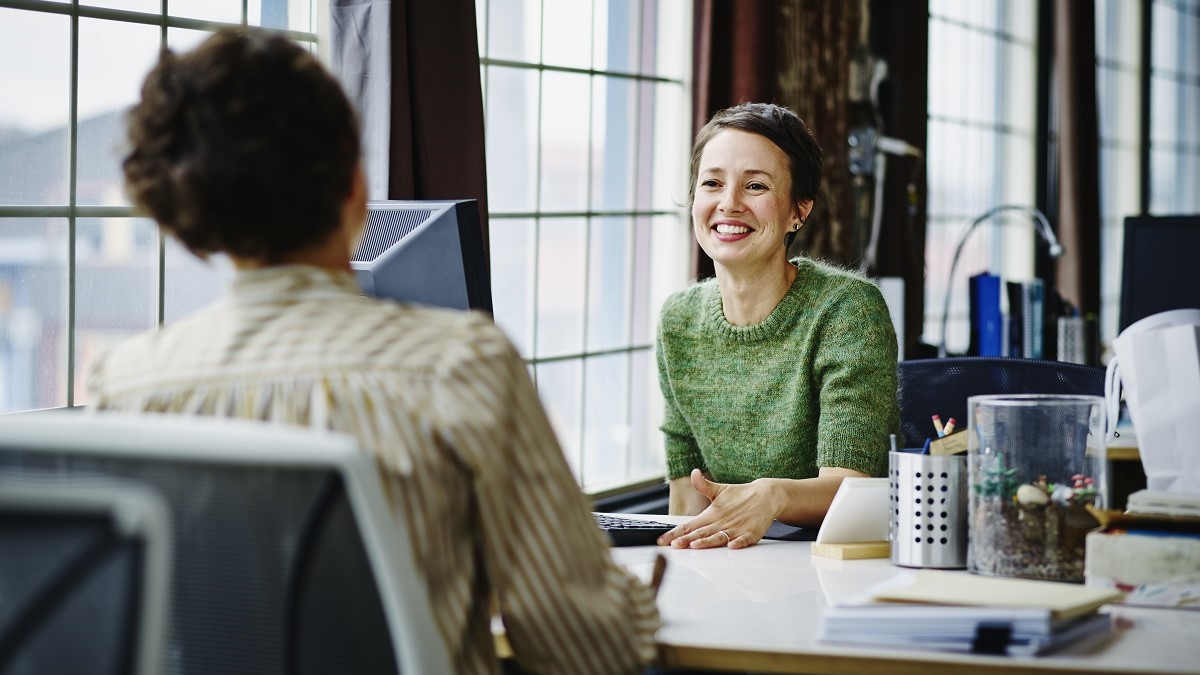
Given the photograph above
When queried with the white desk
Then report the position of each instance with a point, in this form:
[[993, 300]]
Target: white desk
[[756, 609]]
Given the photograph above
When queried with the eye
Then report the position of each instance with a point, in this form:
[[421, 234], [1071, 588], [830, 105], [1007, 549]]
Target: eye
[[756, 186], [709, 183]]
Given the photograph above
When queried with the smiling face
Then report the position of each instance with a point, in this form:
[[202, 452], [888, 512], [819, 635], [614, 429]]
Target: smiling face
[[742, 209]]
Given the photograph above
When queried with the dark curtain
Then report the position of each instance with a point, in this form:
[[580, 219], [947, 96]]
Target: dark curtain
[[795, 53], [798, 53], [900, 35], [1078, 269], [385, 52], [733, 61], [819, 38]]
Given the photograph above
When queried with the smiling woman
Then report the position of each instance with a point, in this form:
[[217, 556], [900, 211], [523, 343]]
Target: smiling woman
[[779, 376]]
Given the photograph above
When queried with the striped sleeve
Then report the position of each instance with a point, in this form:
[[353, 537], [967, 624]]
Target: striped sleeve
[[566, 606]]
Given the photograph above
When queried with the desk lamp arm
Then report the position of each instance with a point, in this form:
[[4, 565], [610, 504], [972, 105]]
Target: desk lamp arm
[[1040, 224]]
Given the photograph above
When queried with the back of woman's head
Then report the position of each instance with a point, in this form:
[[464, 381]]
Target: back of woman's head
[[777, 124], [245, 145]]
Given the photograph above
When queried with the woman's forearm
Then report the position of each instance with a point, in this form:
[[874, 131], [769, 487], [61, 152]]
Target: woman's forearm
[[804, 502]]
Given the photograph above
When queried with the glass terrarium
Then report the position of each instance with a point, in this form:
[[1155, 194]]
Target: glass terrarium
[[1036, 463]]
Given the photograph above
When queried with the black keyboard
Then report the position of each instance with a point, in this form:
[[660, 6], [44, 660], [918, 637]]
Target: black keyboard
[[630, 531]]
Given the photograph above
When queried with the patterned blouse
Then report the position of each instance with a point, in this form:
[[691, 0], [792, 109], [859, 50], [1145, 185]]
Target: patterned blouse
[[445, 404]]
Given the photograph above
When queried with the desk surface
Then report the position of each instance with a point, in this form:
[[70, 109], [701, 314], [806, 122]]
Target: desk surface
[[757, 609]]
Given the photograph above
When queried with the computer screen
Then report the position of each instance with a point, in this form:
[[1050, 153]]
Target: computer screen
[[1161, 266], [425, 252]]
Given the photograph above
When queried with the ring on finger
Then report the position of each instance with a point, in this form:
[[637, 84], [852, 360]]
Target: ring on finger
[[727, 537]]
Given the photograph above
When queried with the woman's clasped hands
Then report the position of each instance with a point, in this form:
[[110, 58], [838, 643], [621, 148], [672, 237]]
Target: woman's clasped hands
[[737, 515]]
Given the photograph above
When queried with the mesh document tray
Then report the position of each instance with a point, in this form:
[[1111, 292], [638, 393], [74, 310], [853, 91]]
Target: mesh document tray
[[270, 574], [930, 387]]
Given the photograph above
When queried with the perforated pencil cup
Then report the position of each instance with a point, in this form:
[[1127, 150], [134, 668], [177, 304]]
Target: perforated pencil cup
[[928, 526], [1036, 464]]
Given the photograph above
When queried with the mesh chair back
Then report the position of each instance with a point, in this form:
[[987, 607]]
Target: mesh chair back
[[83, 579], [271, 573], [941, 387]]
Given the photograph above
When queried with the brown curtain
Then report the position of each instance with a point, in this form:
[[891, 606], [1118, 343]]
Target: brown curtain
[[1078, 270], [798, 53], [795, 53], [819, 37], [733, 61], [426, 146]]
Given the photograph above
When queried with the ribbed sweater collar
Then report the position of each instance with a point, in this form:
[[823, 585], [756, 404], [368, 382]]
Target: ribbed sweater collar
[[781, 318]]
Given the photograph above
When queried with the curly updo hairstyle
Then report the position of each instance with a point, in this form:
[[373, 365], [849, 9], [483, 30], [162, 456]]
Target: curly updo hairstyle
[[245, 145], [777, 124]]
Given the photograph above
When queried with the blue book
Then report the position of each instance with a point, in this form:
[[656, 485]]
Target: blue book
[[987, 335], [1035, 298]]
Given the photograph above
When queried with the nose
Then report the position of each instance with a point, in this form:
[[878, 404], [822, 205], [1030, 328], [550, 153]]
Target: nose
[[731, 200]]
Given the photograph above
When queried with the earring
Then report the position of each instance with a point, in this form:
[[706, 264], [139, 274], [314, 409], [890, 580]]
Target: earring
[[796, 227]]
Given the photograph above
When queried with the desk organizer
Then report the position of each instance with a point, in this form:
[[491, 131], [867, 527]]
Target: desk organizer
[[928, 526], [1036, 464]]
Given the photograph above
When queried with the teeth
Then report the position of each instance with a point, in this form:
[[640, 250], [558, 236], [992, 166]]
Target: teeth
[[732, 229]]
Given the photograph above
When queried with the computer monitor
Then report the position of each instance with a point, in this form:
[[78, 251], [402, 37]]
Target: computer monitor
[[1161, 266], [425, 252]]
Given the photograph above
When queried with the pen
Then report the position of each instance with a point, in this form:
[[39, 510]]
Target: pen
[[660, 567], [937, 424], [925, 450], [949, 427], [894, 448]]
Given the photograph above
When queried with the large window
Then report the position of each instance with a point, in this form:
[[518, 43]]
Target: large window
[[1118, 93], [78, 268], [1175, 107], [982, 89], [587, 130], [1172, 158], [981, 149]]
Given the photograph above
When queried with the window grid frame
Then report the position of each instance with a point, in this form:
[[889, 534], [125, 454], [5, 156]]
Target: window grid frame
[[589, 214], [1171, 76], [1110, 138], [1000, 132], [72, 211]]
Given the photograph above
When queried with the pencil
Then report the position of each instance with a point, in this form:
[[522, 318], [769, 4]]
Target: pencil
[[660, 567], [949, 427], [937, 424]]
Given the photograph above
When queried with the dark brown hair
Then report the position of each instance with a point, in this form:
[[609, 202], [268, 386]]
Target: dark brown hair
[[777, 124], [245, 145]]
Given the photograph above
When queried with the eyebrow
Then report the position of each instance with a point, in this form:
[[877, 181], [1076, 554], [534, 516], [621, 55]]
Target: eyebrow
[[748, 172]]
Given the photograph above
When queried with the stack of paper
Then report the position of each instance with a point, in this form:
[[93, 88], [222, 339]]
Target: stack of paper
[[952, 611]]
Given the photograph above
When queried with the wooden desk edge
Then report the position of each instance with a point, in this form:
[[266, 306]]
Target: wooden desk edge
[[717, 658], [1122, 454]]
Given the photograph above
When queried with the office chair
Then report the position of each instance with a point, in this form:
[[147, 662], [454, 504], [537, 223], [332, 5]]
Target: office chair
[[83, 578], [287, 558], [929, 387]]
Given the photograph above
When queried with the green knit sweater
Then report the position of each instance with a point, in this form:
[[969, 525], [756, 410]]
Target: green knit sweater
[[812, 385]]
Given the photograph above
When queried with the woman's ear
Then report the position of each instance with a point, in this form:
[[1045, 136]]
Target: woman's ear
[[803, 208]]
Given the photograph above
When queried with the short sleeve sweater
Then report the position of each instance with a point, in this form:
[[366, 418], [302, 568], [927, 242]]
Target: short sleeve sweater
[[813, 385]]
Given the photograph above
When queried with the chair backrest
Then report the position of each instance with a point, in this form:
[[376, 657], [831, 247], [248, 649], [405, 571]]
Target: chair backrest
[[941, 387], [287, 558], [83, 578]]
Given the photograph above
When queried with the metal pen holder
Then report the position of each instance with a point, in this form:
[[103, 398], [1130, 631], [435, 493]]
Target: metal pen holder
[[928, 525]]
